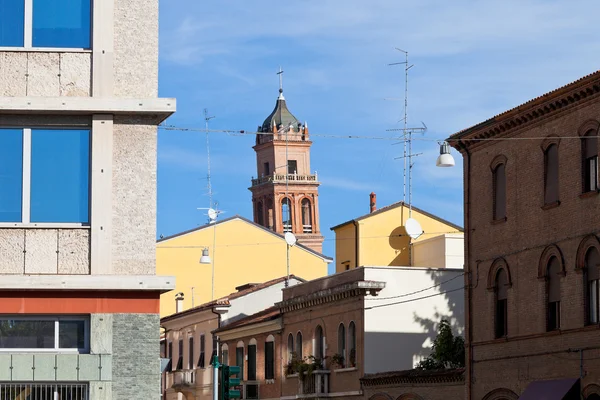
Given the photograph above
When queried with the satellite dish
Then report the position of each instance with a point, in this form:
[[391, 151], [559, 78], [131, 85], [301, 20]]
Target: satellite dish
[[212, 214], [290, 239], [413, 228]]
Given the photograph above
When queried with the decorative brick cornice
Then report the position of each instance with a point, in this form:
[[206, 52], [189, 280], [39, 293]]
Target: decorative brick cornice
[[414, 377], [337, 293], [531, 112]]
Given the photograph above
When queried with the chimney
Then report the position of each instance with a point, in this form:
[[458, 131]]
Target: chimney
[[373, 197], [179, 302]]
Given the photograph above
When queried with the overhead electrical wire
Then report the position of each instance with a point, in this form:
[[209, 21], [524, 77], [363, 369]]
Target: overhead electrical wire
[[418, 291], [242, 132], [415, 299]]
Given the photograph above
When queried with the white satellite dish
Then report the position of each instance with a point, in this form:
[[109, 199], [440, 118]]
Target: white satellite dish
[[290, 239], [212, 214], [413, 228]]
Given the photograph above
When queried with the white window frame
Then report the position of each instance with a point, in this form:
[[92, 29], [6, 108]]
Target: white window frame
[[26, 187], [28, 34], [56, 349]]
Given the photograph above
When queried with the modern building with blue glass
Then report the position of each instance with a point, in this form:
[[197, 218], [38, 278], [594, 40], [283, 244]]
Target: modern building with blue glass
[[79, 110]]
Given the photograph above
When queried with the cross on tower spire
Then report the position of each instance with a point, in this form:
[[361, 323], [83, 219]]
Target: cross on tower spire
[[280, 73]]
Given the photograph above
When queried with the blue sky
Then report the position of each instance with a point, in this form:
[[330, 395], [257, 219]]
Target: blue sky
[[472, 60]]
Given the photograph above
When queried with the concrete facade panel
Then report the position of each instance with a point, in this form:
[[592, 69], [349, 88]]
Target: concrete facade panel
[[12, 248], [73, 251], [13, 74], [106, 367], [75, 74], [101, 390], [43, 71], [134, 197], [136, 48], [101, 333], [41, 247]]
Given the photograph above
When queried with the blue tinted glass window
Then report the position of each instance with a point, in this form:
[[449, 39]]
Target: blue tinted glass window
[[60, 173], [12, 21], [61, 23], [11, 174]]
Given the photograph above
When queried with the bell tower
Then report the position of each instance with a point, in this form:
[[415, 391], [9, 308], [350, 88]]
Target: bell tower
[[285, 195]]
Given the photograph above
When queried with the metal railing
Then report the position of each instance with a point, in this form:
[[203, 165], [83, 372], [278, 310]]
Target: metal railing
[[307, 228], [280, 178], [44, 391], [316, 382], [291, 137]]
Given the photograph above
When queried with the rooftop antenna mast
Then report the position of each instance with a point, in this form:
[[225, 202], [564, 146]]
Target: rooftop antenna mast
[[210, 193], [407, 136]]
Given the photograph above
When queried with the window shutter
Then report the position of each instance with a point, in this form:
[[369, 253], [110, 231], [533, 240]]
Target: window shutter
[[551, 181], [269, 360], [252, 362], [500, 192], [502, 285], [554, 280], [592, 263]]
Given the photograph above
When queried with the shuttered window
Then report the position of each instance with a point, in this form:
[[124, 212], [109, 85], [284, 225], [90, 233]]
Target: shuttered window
[[501, 316], [201, 360], [270, 360], [554, 271], [592, 266], [589, 151], [239, 361]]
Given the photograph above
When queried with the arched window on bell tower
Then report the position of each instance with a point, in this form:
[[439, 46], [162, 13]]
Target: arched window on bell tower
[[286, 214], [306, 216]]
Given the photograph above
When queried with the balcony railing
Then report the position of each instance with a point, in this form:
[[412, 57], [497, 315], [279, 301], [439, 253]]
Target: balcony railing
[[182, 378], [316, 383], [291, 137], [280, 178]]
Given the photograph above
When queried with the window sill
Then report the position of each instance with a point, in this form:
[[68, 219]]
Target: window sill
[[269, 381], [342, 370], [591, 193], [18, 225], [499, 221], [550, 205], [43, 50]]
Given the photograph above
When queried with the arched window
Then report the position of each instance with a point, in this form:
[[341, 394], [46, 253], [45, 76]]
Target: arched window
[[306, 216], [592, 265], [286, 214], [501, 314], [270, 356], [342, 344], [351, 345], [260, 214], [553, 279], [319, 350], [589, 153], [225, 354], [290, 346], [299, 345], [499, 183], [551, 174]]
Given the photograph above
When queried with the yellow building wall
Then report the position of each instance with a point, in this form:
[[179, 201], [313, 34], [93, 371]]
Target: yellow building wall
[[380, 242], [345, 247], [244, 254]]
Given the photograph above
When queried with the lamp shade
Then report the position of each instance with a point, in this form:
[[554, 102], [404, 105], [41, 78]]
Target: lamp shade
[[205, 259], [445, 159]]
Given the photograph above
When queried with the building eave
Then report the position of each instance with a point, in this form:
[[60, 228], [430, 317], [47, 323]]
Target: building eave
[[225, 334], [155, 283], [157, 108], [532, 111]]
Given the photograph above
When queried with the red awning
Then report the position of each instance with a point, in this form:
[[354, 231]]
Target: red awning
[[560, 389]]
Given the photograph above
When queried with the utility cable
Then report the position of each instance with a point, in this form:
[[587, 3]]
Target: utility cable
[[416, 299], [418, 291]]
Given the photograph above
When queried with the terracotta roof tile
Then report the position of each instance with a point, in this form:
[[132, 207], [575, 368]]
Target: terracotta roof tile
[[413, 376]]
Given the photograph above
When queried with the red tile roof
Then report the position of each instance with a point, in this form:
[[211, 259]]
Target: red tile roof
[[413, 376]]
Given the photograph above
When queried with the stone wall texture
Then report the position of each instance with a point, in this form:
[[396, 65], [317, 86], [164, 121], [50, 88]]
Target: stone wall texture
[[136, 365]]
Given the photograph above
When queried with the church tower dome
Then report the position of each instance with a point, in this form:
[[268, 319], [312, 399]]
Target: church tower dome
[[285, 194]]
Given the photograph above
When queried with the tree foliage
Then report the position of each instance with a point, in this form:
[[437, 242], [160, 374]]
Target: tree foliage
[[448, 351]]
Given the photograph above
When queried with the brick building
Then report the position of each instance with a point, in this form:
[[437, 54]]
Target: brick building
[[532, 228], [415, 385]]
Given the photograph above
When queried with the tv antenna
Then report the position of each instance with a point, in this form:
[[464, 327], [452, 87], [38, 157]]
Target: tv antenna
[[407, 136], [206, 119]]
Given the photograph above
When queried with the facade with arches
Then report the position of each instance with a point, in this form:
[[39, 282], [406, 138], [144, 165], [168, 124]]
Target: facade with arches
[[532, 230], [285, 192]]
